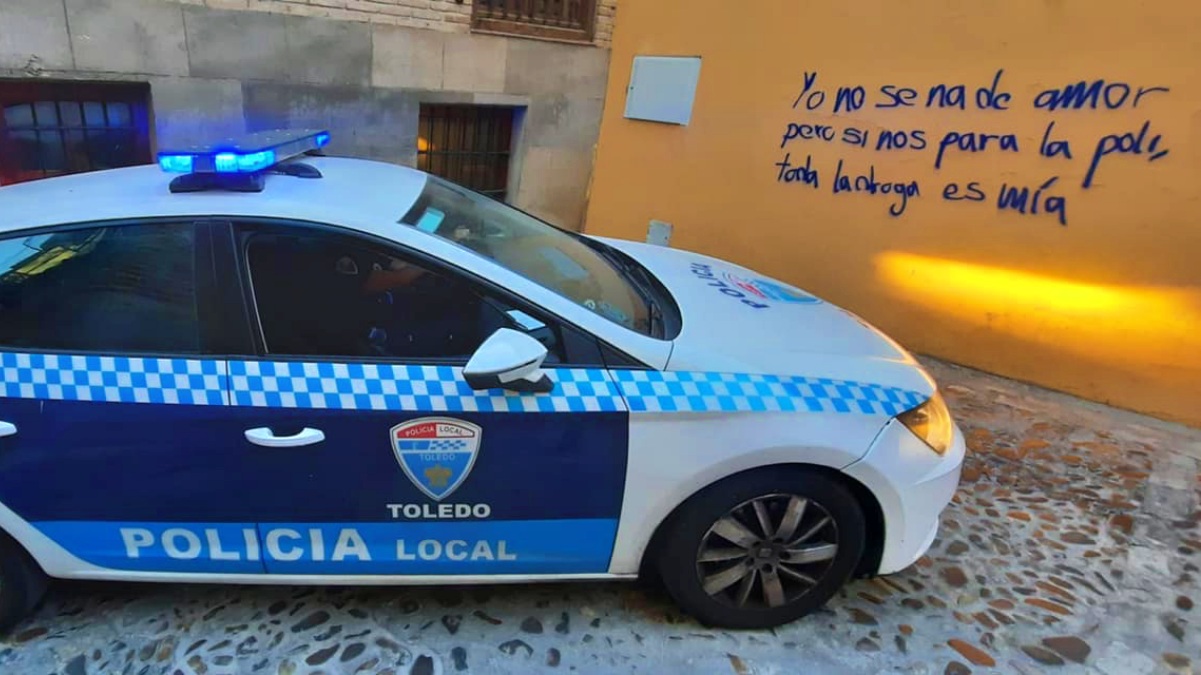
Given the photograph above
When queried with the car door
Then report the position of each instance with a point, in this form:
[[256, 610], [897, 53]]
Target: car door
[[386, 461], [116, 443]]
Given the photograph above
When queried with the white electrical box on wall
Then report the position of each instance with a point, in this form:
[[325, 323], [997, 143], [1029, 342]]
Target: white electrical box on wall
[[659, 233], [663, 88]]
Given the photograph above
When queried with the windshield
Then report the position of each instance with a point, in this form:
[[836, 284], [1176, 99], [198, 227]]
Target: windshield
[[562, 262]]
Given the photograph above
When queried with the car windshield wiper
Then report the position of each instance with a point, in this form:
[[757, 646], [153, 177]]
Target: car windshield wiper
[[656, 315], [641, 280]]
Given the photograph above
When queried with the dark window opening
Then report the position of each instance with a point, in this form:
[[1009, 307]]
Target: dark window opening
[[56, 128], [467, 144], [127, 288], [552, 19]]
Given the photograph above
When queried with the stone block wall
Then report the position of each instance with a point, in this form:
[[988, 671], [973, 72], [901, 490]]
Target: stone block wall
[[214, 71]]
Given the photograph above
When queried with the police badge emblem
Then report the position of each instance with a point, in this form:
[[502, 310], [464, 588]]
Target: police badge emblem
[[436, 453]]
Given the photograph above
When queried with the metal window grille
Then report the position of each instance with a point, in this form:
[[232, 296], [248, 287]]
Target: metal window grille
[[467, 144], [54, 128], [554, 19]]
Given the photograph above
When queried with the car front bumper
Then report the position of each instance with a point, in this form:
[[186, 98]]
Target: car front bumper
[[913, 485]]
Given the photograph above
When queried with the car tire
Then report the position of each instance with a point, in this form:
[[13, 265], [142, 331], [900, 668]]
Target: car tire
[[790, 576], [22, 583]]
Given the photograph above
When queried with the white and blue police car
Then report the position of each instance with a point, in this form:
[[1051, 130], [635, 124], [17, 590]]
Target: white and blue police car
[[255, 363]]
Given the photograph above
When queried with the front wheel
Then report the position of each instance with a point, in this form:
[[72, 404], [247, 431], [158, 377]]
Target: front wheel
[[22, 583], [762, 548]]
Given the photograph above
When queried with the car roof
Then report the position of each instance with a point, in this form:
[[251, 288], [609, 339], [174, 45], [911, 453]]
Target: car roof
[[355, 190]]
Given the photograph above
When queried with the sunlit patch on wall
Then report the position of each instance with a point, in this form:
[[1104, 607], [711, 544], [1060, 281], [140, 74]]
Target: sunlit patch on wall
[[1114, 322]]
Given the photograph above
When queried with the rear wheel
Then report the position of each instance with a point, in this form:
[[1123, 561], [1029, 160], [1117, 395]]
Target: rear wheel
[[22, 583], [762, 548]]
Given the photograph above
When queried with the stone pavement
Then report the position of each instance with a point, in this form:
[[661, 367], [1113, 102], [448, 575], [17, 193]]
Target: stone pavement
[[1071, 547]]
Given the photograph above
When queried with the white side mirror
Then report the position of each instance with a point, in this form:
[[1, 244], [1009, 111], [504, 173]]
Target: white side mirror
[[508, 359]]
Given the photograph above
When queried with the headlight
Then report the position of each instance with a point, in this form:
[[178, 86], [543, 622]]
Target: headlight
[[931, 422]]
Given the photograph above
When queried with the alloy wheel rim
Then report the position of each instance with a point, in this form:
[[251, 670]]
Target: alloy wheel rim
[[767, 552]]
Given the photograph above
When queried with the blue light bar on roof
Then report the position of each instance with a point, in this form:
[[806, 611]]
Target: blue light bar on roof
[[251, 153]]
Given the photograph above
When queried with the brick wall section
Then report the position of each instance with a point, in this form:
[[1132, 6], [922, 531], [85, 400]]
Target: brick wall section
[[606, 14], [444, 15]]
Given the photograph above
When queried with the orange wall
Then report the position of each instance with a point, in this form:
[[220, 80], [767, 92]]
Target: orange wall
[[1106, 306]]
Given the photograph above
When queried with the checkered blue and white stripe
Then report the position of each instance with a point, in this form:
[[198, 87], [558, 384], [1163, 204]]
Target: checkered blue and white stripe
[[427, 388], [431, 445], [112, 379], [291, 384], [653, 391]]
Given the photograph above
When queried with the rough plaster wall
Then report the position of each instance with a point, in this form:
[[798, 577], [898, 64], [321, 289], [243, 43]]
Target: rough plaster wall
[[1061, 250]]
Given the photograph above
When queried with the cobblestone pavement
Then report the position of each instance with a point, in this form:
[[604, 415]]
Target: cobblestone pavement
[[1071, 547]]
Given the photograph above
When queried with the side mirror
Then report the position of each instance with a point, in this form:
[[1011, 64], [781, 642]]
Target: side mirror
[[508, 359]]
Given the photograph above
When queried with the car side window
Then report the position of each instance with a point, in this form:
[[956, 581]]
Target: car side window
[[120, 288], [331, 295]]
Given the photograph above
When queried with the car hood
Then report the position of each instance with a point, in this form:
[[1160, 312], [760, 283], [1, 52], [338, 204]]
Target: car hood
[[736, 320]]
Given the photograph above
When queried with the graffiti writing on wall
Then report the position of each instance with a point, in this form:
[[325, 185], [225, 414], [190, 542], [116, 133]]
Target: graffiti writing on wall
[[1044, 196]]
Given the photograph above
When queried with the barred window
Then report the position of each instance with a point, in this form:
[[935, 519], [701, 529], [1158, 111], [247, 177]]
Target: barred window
[[467, 144], [553, 19], [55, 128]]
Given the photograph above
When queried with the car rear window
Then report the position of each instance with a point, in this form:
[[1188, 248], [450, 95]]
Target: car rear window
[[126, 288]]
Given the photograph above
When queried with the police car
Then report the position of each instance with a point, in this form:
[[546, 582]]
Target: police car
[[254, 363]]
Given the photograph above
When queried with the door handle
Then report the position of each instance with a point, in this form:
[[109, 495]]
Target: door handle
[[7, 429], [267, 438]]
